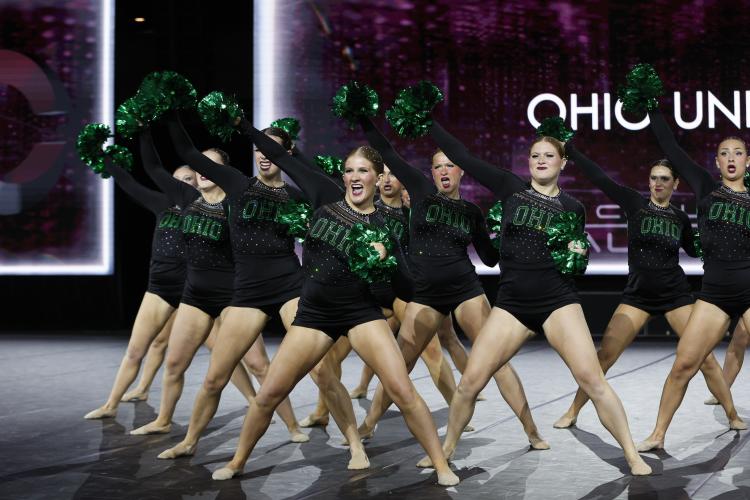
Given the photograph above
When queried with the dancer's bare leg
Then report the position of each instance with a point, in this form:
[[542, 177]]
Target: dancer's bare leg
[[471, 317], [456, 350], [240, 376], [190, 330], [704, 331], [151, 364], [301, 349], [734, 357], [394, 323], [375, 344], [622, 328], [336, 355], [151, 318], [438, 367]]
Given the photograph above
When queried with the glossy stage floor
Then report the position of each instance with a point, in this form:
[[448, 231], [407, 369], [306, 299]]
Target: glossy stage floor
[[47, 450]]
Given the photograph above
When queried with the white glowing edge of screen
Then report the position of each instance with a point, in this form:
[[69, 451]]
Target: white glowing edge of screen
[[104, 263], [693, 269]]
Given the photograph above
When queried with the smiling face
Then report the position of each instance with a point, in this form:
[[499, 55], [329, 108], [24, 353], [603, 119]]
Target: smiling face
[[731, 159], [445, 174], [545, 161], [267, 170], [389, 186], [186, 175], [360, 178], [661, 183]]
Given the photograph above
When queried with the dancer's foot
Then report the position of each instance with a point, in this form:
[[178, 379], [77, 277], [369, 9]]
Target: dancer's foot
[[313, 420], [737, 424], [359, 460], [537, 442], [565, 421], [650, 443], [638, 467], [469, 428], [481, 397], [426, 462], [711, 401], [365, 432], [447, 478], [358, 393], [227, 472], [297, 436], [134, 395], [152, 428], [181, 450], [102, 412]]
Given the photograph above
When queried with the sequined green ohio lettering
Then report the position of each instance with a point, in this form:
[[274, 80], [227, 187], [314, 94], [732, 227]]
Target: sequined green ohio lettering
[[202, 226], [533, 217], [730, 212], [660, 226], [441, 214], [261, 209], [331, 233], [395, 227], [170, 221]]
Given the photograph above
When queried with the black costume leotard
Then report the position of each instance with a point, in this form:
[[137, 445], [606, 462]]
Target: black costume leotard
[[656, 282], [333, 299], [440, 230], [530, 287], [266, 270], [402, 285], [208, 254], [724, 225], [166, 276]]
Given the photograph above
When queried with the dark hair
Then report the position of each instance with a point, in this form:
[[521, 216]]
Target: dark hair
[[222, 154], [559, 147], [665, 163], [734, 138], [282, 134], [370, 155], [181, 166]]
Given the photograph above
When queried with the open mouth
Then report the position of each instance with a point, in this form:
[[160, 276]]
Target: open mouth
[[541, 167], [731, 169], [357, 189], [445, 182], [387, 188], [658, 189], [264, 165], [203, 178]]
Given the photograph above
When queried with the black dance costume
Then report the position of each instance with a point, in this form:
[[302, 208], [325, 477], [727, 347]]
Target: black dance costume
[[530, 286], [267, 272], [208, 253], [333, 299], [440, 230], [724, 225], [402, 284], [656, 282], [166, 276]]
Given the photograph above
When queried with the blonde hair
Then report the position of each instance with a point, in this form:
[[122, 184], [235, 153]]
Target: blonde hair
[[369, 154]]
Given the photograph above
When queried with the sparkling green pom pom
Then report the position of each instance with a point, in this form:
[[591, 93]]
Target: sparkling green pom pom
[[697, 245], [354, 100], [164, 91], [410, 114], [221, 114], [746, 180], [565, 228], [89, 145], [364, 260], [128, 121], [121, 156], [296, 216], [495, 222], [642, 87], [289, 125], [332, 165], [554, 126]]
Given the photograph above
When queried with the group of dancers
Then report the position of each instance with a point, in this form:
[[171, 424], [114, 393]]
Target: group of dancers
[[222, 266]]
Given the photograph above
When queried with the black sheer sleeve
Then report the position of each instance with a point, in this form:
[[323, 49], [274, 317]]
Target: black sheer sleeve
[[154, 201], [178, 192]]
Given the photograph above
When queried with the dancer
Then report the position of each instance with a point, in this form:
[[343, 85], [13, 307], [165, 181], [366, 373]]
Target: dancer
[[522, 305], [734, 357], [442, 227], [166, 280], [656, 282], [336, 302], [267, 275], [208, 283], [725, 238]]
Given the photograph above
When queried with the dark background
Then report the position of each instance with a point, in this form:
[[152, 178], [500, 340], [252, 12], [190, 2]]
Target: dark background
[[211, 44]]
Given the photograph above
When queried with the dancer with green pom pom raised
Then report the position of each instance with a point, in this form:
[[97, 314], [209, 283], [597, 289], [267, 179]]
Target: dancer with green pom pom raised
[[538, 219]]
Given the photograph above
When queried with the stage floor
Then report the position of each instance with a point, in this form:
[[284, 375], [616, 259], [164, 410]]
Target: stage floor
[[47, 450]]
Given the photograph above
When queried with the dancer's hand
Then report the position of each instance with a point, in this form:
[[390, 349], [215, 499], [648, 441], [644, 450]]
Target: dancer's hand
[[575, 246], [380, 248]]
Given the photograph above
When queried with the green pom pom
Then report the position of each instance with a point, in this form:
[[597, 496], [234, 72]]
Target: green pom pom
[[121, 156], [221, 114], [289, 125], [364, 260], [354, 100], [567, 227], [164, 91], [410, 114], [495, 222], [697, 245], [642, 87], [128, 119], [746, 180], [89, 145], [554, 127], [296, 216], [332, 165]]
